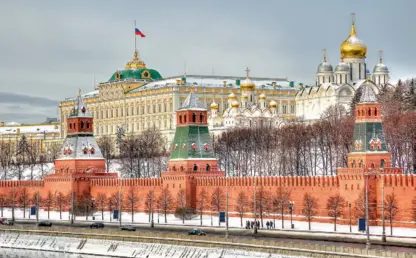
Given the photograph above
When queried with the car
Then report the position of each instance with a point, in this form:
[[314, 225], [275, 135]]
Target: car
[[97, 225], [5, 221], [197, 231], [45, 223], [128, 228]]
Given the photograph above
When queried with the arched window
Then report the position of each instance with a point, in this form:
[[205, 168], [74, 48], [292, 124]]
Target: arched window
[[73, 125], [180, 119], [358, 113], [193, 117], [195, 167], [201, 117], [70, 126], [375, 112], [382, 163], [208, 167], [184, 118], [82, 124], [369, 112], [372, 165], [360, 164], [353, 164], [88, 124]]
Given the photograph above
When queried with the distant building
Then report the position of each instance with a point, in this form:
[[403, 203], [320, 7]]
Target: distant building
[[339, 86]]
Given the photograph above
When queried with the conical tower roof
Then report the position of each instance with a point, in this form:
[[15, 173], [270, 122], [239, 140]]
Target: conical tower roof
[[80, 109], [192, 103], [368, 95]]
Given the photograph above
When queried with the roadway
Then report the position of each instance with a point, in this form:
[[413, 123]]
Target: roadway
[[276, 235]]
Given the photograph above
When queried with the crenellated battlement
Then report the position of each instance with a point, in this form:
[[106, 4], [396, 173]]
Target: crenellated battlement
[[361, 171], [124, 182], [22, 183]]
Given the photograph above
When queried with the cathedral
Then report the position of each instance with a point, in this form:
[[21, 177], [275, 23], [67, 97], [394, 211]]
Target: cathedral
[[339, 86]]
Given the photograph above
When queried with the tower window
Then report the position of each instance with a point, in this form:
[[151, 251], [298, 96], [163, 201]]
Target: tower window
[[88, 125], [70, 126], [382, 163], [193, 117], [375, 112], [195, 167], [369, 112], [82, 124], [180, 119], [184, 118], [201, 117]]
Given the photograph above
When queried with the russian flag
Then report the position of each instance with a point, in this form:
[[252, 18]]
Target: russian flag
[[139, 33]]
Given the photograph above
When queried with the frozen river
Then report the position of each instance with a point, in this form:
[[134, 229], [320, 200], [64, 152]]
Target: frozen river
[[14, 245]]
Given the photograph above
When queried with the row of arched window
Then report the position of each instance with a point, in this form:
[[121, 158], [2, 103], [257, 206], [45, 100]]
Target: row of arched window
[[193, 118], [361, 164], [82, 125], [367, 112]]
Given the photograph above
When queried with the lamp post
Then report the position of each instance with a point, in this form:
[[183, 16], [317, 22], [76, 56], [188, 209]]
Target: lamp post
[[255, 211], [383, 234], [349, 211], [119, 201], [226, 206], [72, 202], [152, 223], [291, 208]]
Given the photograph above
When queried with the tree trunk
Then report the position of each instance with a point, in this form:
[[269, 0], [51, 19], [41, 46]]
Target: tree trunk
[[241, 220], [102, 213], [111, 214], [283, 219], [48, 211], [60, 211], [132, 213], [219, 223], [201, 217], [309, 222], [335, 224], [166, 218], [2, 211], [391, 226], [24, 210]]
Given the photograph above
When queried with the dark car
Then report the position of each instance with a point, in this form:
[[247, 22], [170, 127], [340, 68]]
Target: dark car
[[4, 221], [197, 231], [128, 228], [97, 225], [45, 223]]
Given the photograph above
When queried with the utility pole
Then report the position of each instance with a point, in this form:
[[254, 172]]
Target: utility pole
[[368, 243], [349, 209], [383, 236], [226, 205]]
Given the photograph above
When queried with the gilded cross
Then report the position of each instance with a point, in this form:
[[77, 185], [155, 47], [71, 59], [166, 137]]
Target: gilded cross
[[247, 72]]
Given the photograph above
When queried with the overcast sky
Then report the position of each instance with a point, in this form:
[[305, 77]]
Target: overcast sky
[[49, 49]]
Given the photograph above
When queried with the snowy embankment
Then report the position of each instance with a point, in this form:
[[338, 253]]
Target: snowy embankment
[[208, 221], [112, 248]]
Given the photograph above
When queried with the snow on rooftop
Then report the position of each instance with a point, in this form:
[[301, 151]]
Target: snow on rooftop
[[29, 129]]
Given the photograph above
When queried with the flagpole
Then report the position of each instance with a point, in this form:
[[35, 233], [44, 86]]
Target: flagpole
[[135, 47]]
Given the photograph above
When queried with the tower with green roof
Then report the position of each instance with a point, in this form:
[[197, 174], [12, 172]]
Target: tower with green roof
[[192, 149]]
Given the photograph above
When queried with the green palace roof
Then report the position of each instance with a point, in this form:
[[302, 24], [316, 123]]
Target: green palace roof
[[135, 74]]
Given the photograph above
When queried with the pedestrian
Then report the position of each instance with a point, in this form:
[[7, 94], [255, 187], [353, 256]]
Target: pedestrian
[[258, 224], [272, 224], [267, 225]]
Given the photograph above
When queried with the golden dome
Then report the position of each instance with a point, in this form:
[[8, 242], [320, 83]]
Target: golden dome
[[247, 84], [232, 96], [262, 96], [244, 96], [136, 62], [235, 104], [353, 46], [273, 104], [214, 105]]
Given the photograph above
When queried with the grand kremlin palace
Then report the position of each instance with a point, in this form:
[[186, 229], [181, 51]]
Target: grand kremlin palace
[[138, 98]]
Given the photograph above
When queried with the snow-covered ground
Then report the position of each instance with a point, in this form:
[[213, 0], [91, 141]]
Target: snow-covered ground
[[120, 248], [211, 221]]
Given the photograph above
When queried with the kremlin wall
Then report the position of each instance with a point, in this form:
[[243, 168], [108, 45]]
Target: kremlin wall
[[193, 167]]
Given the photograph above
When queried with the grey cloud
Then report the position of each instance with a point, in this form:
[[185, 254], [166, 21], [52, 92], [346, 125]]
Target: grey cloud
[[13, 98]]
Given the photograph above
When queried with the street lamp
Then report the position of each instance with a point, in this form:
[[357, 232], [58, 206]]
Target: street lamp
[[291, 208], [152, 223], [349, 211]]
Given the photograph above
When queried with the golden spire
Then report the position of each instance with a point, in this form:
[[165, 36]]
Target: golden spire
[[324, 54], [79, 92], [353, 32], [381, 56], [136, 62]]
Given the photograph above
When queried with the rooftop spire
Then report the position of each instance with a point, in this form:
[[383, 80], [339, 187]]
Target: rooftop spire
[[353, 32], [381, 56], [247, 72], [324, 50], [367, 94]]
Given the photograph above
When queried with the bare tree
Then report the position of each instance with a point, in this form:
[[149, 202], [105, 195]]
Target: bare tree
[[335, 207], [48, 201], [3, 202], [129, 153], [217, 201], [53, 151], [309, 207], [148, 204], [61, 201], [281, 200], [101, 203], [113, 203], [201, 203], [166, 202], [181, 205], [360, 207], [5, 157], [84, 203], [106, 145], [413, 209], [132, 200], [241, 205], [24, 199], [32, 153], [391, 208]]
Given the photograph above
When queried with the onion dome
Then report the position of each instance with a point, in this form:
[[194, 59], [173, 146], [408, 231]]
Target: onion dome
[[380, 67], [214, 105], [232, 96], [324, 67], [235, 104], [273, 104], [247, 84], [353, 47], [342, 67], [262, 96], [244, 96]]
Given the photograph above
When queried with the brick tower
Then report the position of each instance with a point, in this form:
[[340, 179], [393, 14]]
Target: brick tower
[[192, 155], [80, 152]]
